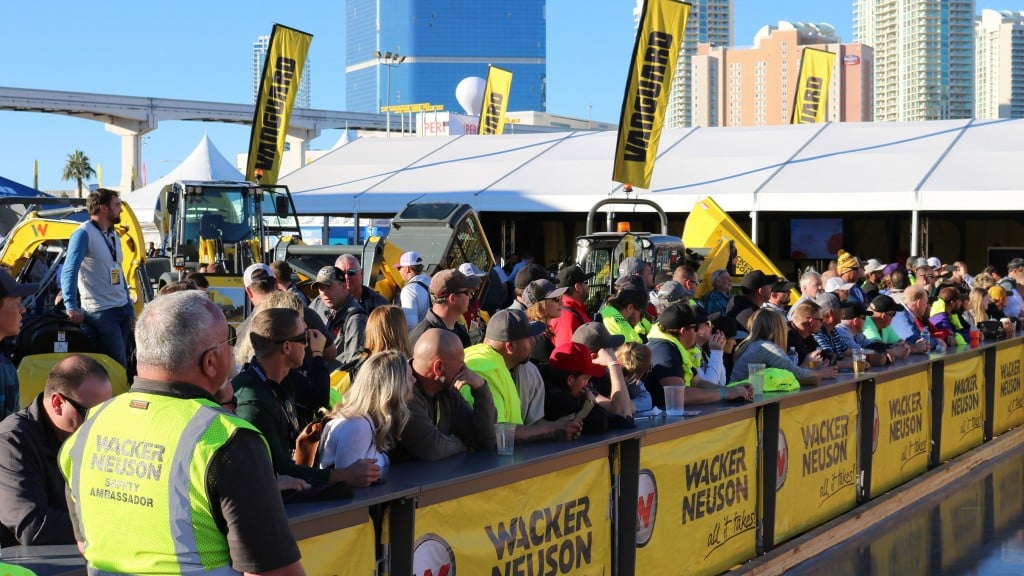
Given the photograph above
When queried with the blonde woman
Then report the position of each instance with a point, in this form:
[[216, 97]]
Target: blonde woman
[[386, 329], [977, 307], [636, 363], [375, 411], [766, 345]]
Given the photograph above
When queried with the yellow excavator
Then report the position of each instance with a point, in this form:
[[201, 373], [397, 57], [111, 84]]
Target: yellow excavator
[[34, 250]]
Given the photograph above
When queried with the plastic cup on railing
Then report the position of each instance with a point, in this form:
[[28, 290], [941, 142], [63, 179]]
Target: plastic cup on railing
[[505, 436]]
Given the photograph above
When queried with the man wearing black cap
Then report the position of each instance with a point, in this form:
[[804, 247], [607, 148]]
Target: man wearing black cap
[[674, 363], [526, 274], [756, 287], [851, 327], [11, 311], [450, 293], [344, 317], [778, 299], [507, 345], [574, 311], [878, 326], [623, 313]]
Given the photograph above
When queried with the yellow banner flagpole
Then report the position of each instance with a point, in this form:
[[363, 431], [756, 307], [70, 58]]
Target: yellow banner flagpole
[[492, 113], [282, 72], [811, 104], [660, 37]]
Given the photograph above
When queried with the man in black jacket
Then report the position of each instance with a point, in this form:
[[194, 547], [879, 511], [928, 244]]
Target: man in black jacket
[[33, 509]]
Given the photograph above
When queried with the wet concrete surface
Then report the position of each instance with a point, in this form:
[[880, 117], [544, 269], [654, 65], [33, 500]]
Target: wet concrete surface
[[974, 526]]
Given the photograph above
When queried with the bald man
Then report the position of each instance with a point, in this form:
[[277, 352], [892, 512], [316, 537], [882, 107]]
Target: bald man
[[441, 422]]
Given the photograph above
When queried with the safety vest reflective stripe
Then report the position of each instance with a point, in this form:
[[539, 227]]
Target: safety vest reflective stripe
[[178, 480], [180, 503]]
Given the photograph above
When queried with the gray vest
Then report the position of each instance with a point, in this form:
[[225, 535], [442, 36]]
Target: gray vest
[[101, 281]]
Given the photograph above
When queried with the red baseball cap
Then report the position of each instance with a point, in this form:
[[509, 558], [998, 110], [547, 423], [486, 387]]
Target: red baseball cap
[[574, 358]]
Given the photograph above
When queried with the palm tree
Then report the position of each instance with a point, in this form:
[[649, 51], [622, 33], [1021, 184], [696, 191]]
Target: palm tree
[[77, 168]]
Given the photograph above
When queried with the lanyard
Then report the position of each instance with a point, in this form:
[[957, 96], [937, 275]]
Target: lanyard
[[287, 407], [110, 239]]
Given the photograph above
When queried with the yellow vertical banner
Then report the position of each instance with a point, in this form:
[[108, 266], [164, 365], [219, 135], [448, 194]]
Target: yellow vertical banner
[[555, 523], [496, 94], [811, 105], [1009, 395], [282, 71], [658, 41], [349, 551], [963, 407], [816, 478], [901, 439], [698, 500]]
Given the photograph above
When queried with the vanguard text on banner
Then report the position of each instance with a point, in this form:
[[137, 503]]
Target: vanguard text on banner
[[811, 105], [492, 113], [658, 41], [278, 86]]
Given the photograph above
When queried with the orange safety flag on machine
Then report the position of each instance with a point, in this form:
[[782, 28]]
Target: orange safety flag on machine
[[811, 105], [660, 37], [282, 71], [492, 113]]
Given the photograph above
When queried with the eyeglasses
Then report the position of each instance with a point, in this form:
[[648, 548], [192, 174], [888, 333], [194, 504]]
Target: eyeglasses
[[82, 410], [298, 339], [464, 292], [233, 401], [815, 319], [352, 272], [230, 342]]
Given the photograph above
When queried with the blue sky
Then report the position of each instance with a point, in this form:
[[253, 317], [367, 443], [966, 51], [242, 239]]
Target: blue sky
[[202, 50]]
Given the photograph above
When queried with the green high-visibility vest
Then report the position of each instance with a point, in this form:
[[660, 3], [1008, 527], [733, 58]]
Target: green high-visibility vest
[[12, 570], [137, 471]]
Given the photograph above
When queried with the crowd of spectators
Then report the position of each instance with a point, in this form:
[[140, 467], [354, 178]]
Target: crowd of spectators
[[432, 373]]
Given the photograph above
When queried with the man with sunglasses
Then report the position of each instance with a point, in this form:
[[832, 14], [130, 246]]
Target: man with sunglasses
[[450, 294], [33, 509], [163, 479], [266, 397], [367, 297]]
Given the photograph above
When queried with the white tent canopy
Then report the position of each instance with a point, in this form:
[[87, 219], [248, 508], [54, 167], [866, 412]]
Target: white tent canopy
[[943, 165], [204, 163]]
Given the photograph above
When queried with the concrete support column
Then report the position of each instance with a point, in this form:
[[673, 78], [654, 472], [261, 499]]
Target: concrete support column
[[294, 156], [131, 132]]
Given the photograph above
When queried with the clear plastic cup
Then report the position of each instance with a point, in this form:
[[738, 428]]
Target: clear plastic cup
[[755, 372], [505, 436]]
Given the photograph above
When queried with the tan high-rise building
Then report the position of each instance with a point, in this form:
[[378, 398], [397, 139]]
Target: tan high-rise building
[[924, 57], [999, 61], [710, 22], [757, 86]]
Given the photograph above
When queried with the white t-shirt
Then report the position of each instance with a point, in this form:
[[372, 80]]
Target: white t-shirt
[[348, 440]]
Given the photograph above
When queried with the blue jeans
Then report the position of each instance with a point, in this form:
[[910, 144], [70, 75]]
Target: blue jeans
[[110, 330]]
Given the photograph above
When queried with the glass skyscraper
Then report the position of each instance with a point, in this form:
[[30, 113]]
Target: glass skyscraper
[[443, 41], [259, 57]]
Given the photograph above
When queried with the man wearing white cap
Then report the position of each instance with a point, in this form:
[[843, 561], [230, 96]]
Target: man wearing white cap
[[874, 272], [839, 287], [415, 295]]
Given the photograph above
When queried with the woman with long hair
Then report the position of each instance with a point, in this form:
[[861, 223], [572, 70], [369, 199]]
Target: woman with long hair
[[386, 329], [374, 413], [766, 345], [977, 307]]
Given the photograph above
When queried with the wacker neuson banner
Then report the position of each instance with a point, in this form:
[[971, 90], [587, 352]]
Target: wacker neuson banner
[[281, 74], [662, 27]]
